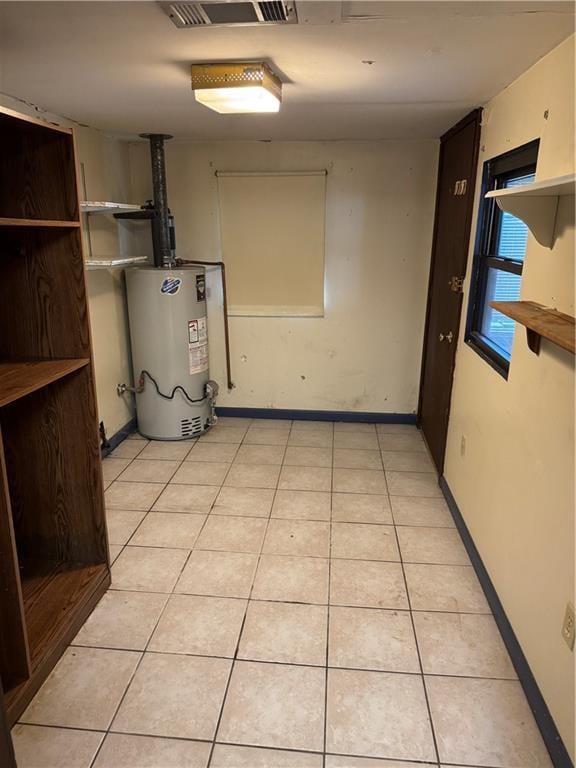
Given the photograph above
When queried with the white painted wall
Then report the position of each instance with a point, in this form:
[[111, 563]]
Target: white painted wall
[[515, 483], [105, 162], [364, 354]]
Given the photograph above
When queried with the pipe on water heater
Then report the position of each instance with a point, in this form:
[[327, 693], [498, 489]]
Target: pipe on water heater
[[162, 250]]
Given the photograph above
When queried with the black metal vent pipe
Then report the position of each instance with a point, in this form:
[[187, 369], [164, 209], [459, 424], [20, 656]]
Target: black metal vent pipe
[[161, 241]]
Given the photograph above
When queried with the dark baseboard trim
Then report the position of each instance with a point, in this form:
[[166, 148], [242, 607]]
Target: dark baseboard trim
[[118, 437], [289, 413], [544, 721]]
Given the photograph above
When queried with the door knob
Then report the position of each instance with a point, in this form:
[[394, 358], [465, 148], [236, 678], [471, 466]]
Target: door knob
[[447, 337]]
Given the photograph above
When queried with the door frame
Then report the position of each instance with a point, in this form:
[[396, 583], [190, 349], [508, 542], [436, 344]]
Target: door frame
[[475, 116]]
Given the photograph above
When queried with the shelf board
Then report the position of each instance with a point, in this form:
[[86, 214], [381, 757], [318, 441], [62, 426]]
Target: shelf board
[[557, 187], [7, 222], [58, 598], [540, 322], [18, 379], [100, 206], [536, 204], [49, 591], [114, 262]]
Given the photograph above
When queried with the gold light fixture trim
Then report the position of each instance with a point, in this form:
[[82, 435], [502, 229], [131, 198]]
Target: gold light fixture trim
[[240, 87]]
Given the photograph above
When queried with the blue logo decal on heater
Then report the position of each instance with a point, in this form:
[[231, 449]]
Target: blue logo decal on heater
[[171, 285]]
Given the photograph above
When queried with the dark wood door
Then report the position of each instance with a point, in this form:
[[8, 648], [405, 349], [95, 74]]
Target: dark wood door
[[454, 201]]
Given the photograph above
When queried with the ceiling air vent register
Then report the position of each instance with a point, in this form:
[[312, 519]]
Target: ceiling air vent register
[[227, 14]]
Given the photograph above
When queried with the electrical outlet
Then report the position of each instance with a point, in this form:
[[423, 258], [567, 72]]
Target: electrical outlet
[[569, 627], [462, 446]]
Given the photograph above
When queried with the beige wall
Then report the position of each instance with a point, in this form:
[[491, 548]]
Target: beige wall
[[515, 482], [105, 171], [364, 354], [106, 175]]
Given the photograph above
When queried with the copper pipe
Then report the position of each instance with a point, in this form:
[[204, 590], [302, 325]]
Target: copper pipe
[[180, 262]]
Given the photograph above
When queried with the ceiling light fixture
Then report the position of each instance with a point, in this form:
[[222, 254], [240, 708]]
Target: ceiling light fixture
[[237, 88]]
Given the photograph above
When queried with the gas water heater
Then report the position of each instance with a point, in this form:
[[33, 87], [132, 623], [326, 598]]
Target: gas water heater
[[168, 328]]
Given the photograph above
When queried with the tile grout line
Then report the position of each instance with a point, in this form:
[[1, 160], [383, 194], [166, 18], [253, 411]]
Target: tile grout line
[[313, 557], [288, 750], [306, 519], [178, 461], [328, 608], [308, 665], [168, 596], [168, 483], [422, 676], [235, 657], [436, 496], [301, 602], [146, 512], [127, 543], [146, 441], [143, 652]]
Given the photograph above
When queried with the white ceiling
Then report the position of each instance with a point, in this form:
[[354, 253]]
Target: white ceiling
[[124, 67]]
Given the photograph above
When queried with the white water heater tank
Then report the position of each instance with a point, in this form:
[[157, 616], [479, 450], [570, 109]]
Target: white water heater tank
[[169, 339]]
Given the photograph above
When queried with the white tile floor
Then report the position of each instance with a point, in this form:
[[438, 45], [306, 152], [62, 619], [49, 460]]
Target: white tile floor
[[285, 595]]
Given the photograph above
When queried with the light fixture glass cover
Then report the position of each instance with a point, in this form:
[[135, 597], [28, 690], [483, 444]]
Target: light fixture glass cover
[[237, 88]]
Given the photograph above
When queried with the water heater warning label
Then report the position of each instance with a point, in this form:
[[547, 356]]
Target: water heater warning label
[[197, 345]]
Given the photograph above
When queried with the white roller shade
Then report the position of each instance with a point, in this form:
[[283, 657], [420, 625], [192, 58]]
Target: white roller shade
[[272, 229]]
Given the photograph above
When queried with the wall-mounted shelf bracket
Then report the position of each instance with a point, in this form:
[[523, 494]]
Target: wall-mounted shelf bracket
[[536, 204], [540, 322]]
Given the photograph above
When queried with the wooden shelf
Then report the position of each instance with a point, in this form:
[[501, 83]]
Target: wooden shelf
[[100, 206], [66, 591], [38, 223], [52, 589], [540, 322], [18, 379], [536, 204]]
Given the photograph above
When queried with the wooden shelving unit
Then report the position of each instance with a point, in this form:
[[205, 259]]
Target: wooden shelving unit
[[53, 545], [540, 323], [536, 204]]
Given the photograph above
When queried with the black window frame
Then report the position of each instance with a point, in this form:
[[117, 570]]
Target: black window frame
[[495, 172]]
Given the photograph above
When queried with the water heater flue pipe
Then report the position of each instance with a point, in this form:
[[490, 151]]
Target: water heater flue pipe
[[162, 247], [222, 266]]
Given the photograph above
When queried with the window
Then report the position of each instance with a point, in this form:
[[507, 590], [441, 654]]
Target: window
[[498, 259], [272, 229]]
